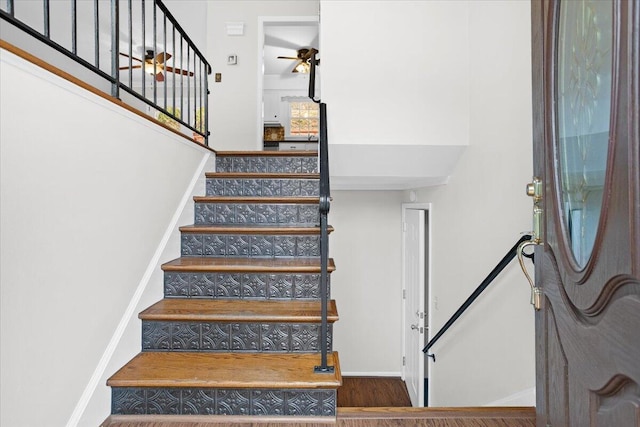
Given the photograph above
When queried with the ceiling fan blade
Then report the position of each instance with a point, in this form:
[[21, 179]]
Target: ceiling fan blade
[[308, 54], [162, 57], [132, 67], [178, 71], [132, 57], [159, 77], [287, 57]]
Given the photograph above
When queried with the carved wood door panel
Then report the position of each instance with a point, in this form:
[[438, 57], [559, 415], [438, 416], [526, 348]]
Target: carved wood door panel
[[586, 152]]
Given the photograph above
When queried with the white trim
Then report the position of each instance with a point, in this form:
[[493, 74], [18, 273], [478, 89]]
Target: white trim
[[83, 402], [428, 207], [522, 398], [372, 374]]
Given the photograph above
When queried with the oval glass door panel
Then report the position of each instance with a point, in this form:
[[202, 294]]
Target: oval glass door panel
[[583, 99]]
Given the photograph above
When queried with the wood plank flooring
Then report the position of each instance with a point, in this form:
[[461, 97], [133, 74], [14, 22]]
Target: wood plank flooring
[[373, 392]]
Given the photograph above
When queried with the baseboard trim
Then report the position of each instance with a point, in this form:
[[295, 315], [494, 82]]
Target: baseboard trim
[[98, 372], [522, 398]]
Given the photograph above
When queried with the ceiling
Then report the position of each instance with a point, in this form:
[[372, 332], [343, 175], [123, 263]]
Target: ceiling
[[284, 39]]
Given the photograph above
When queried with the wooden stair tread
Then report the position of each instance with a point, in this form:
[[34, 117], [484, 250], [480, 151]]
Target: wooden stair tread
[[192, 309], [226, 370], [442, 413], [252, 229], [261, 175], [266, 154], [239, 265], [240, 199]]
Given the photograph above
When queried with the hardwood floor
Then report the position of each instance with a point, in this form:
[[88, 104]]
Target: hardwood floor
[[373, 392]]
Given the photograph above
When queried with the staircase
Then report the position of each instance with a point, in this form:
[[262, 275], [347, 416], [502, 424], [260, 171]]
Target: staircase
[[238, 331]]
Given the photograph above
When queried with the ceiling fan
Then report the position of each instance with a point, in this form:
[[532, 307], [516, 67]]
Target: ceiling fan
[[303, 58], [159, 60]]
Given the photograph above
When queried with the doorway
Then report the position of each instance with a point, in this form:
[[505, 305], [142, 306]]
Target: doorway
[[279, 84], [416, 300]]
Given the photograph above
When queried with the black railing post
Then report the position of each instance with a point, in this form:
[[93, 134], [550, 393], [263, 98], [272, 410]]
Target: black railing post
[[115, 48], [96, 34], [112, 74], [324, 206], [47, 18], [511, 254], [74, 27]]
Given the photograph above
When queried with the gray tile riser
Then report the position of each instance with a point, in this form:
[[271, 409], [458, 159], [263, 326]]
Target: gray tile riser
[[274, 214], [267, 164], [234, 337], [247, 187], [250, 286], [209, 401], [249, 246]]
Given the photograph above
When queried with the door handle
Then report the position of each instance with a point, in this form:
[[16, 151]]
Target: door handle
[[536, 292], [414, 327], [534, 190]]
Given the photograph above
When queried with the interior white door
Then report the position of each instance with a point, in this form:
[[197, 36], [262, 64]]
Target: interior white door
[[414, 323]]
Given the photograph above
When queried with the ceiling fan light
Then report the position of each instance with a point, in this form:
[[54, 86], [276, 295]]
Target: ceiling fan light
[[302, 67], [149, 68]]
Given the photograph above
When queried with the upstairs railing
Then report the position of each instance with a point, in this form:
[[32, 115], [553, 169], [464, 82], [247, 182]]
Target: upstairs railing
[[511, 254], [136, 46], [325, 205]]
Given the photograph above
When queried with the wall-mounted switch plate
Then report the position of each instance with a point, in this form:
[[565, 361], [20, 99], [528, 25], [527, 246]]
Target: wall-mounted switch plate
[[218, 77]]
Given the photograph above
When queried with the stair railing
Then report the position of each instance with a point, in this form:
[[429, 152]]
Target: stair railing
[[476, 293], [183, 105], [324, 206]]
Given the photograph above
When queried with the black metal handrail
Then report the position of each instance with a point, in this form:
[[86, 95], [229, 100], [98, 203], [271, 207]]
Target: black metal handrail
[[324, 206], [476, 293], [184, 104]]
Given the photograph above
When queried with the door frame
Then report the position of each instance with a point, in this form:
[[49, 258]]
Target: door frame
[[428, 208], [262, 22]]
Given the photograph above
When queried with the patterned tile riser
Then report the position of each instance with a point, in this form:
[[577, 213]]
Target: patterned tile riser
[[206, 401], [227, 337], [251, 286], [262, 187], [267, 164], [249, 246], [256, 213]]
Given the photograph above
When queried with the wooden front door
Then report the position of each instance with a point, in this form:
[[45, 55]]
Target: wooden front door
[[587, 155]]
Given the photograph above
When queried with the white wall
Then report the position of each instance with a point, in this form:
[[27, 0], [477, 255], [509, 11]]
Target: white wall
[[367, 283], [88, 193], [479, 215], [396, 72], [395, 77], [234, 120]]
